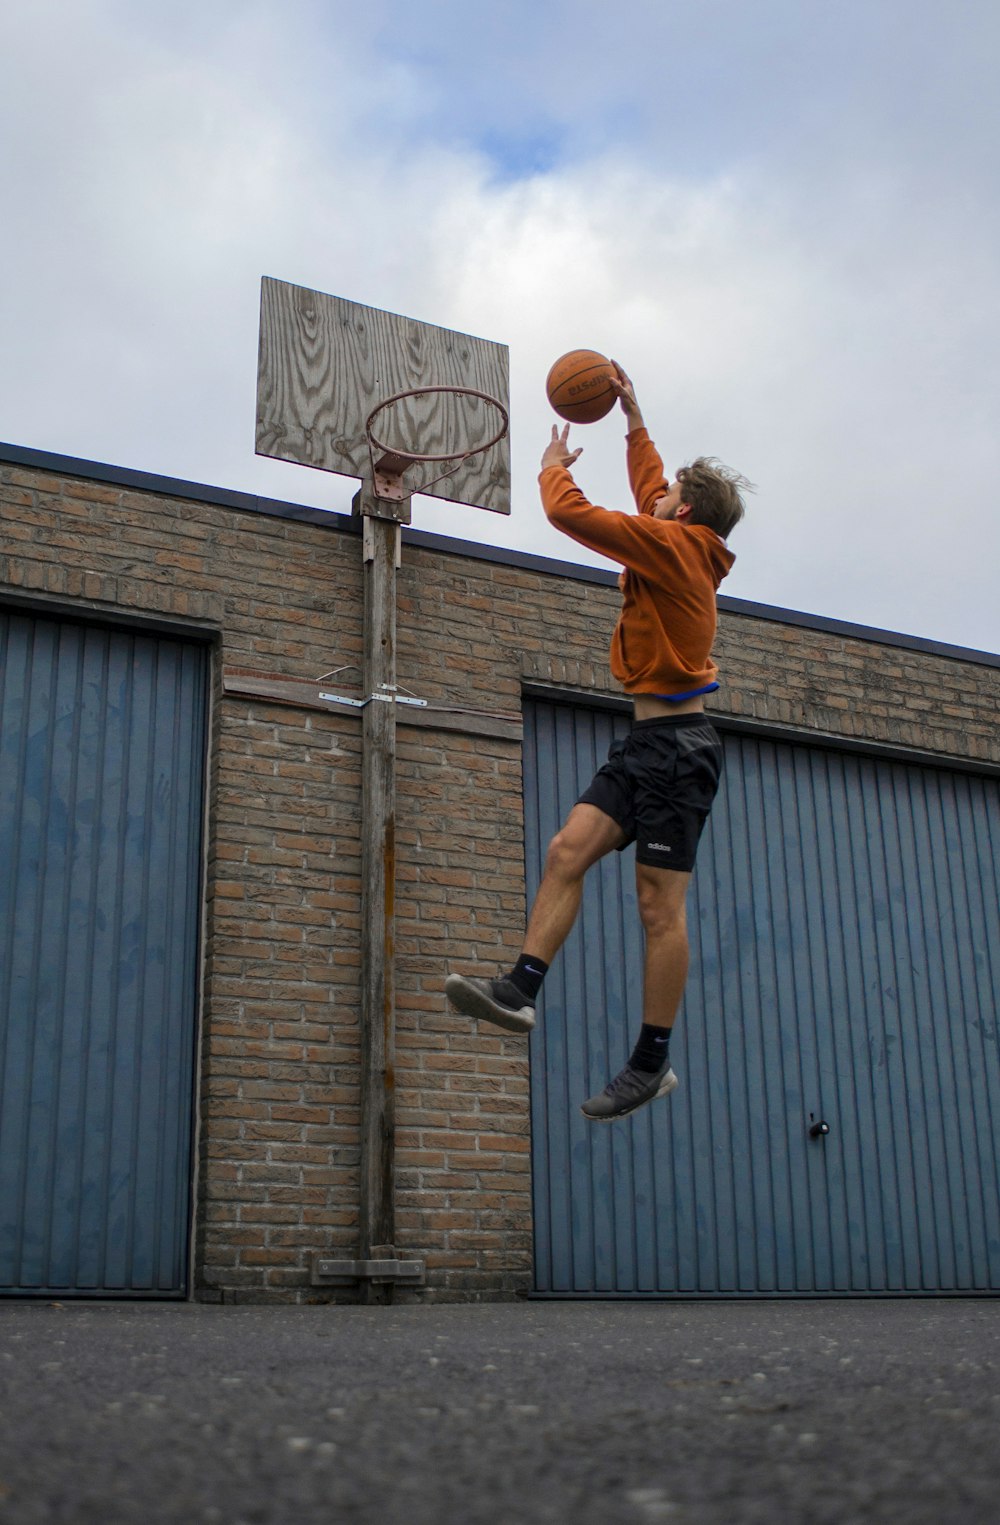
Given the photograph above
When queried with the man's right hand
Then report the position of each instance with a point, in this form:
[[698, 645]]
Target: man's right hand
[[621, 384]]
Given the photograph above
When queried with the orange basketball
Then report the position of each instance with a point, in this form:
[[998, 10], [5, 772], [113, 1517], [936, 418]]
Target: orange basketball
[[579, 386]]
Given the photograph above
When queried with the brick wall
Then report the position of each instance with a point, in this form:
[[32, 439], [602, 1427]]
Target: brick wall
[[281, 591]]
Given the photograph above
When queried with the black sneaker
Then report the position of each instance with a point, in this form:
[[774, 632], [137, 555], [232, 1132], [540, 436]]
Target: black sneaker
[[630, 1090], [497, 1001]]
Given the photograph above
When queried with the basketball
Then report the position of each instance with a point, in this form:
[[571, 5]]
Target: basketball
[[579, 386]]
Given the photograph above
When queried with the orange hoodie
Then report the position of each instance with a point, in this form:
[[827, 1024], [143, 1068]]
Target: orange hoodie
[[662, 643]]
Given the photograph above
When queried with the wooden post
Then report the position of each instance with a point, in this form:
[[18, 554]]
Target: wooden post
[[381, 539]]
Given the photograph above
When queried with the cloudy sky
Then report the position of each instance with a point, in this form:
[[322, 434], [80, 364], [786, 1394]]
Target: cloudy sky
[[781, 215]]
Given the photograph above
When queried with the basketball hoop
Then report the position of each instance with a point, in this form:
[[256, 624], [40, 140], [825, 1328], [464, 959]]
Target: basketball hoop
[[387, 471]]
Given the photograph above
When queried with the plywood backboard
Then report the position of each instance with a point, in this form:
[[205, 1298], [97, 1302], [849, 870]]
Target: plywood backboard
[[324, 364]]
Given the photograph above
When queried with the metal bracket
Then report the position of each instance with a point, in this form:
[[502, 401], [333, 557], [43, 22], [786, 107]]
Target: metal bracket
[[391, 696], [384, 498], [384, 1269], [356, 704], [389, 477]]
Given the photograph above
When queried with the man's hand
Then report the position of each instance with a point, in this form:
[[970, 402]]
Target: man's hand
[[626, 394], [557, 451]]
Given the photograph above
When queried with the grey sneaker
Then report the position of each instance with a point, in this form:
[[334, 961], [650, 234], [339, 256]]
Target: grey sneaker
[[628, 1091], [497, 1001]]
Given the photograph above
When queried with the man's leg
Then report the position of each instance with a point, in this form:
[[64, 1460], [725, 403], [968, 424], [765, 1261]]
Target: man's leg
[[587, 836], [510, 1001], [663, 913], [675, 774]]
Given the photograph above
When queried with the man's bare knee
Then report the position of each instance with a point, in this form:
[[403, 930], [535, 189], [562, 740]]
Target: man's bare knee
[[566, 858], [587, 836], [662, 900]]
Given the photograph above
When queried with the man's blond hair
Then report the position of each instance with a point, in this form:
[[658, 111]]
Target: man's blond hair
[[715, 494]]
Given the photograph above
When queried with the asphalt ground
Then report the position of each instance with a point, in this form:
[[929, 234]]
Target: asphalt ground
[[806, 1412]]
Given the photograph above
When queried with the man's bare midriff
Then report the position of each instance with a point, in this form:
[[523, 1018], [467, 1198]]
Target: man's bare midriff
[[647, 706]]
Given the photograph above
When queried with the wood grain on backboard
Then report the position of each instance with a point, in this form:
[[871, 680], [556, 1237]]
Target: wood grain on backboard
[[325, 363]]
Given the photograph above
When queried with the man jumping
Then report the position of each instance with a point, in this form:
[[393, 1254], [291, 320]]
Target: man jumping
[[657, 786]]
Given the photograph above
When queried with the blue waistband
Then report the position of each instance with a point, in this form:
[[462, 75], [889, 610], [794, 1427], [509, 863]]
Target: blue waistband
[[692, 693]]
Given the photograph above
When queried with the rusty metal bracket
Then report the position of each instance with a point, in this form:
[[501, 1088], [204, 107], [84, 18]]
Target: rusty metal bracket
[[388, 474]]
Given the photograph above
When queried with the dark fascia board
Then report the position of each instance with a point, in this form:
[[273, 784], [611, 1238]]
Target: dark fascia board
[[249, 503], [84, 612]]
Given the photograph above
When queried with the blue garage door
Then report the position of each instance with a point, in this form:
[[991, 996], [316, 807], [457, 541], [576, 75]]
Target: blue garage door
[[102, 741], [845, 924]]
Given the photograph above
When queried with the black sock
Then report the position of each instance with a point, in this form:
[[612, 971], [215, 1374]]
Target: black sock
[[652, 1051], [528, 974]]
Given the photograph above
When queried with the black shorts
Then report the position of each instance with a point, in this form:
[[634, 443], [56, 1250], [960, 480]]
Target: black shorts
[[659, 784]]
